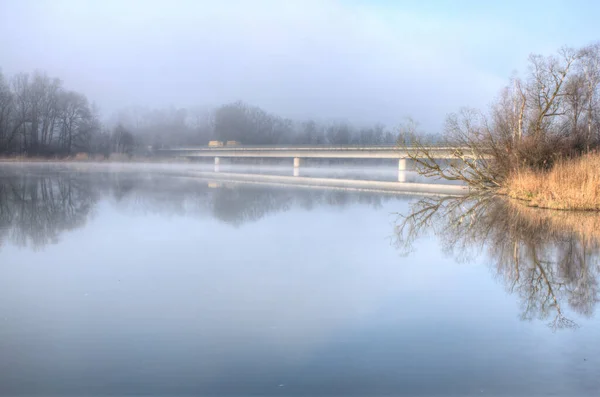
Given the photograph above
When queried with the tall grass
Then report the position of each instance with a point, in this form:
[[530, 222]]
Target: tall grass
[[572, 184]]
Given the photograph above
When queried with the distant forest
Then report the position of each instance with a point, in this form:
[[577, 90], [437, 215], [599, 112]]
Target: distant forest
[[40, 117]]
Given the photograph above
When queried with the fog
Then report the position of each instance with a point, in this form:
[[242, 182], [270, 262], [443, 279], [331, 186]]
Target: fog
[[356, 61]]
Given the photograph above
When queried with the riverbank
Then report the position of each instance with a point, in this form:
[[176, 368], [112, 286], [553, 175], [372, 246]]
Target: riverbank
[[84, 158], [570, 185]]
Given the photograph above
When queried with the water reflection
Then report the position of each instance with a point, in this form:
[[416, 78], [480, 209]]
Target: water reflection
[[34, 211], [178, 286], [548, 259], [36, 207]]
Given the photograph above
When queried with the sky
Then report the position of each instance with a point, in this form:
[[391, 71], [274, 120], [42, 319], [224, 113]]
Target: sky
[[358, 61]]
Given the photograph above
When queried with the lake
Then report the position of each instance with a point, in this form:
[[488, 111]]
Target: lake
[[117, 282]]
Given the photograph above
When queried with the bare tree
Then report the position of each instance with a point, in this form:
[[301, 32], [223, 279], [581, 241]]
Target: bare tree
[[550, 114], [75, 116], [123, 140], [6, 112], [37, 116], [590, 68]]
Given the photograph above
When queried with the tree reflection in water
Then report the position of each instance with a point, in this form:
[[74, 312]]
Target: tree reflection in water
[[35, 210], [36, 206], [548, 258]]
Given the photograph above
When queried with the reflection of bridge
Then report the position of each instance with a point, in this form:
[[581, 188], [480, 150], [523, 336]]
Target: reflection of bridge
[[299, 153], [216, 178]]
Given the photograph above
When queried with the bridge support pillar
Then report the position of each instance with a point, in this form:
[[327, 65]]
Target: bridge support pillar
[[296, 171], [297, 162], [401, 176], [217, 160], [402, 165]]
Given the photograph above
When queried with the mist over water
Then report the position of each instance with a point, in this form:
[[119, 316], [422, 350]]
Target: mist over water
[[135, 281]]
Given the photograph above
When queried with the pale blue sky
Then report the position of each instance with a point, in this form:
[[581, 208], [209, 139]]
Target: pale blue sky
[[361, 61]]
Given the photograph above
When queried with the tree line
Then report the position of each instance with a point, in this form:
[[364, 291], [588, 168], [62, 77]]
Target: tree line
[[242, 122], [39, 116]]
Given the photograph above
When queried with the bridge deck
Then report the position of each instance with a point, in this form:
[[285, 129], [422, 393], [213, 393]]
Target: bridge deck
[[382, 152]]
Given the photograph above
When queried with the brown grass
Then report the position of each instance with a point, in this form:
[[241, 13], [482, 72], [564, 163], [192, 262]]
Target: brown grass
[[569, 185]]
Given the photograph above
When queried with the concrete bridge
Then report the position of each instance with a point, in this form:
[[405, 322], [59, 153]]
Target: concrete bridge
[[299, 153]]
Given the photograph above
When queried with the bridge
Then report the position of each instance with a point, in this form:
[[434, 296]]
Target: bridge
[[299, 153]]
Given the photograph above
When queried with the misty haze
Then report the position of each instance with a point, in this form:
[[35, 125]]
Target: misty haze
[[299, 198]]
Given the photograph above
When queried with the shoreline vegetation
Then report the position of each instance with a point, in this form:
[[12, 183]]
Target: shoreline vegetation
[[572, 184], [538, 142]]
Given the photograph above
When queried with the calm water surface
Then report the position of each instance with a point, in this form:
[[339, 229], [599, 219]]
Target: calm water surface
[[138, 283]]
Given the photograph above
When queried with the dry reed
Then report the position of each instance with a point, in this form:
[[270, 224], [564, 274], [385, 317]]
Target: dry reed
[[570, 185]]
